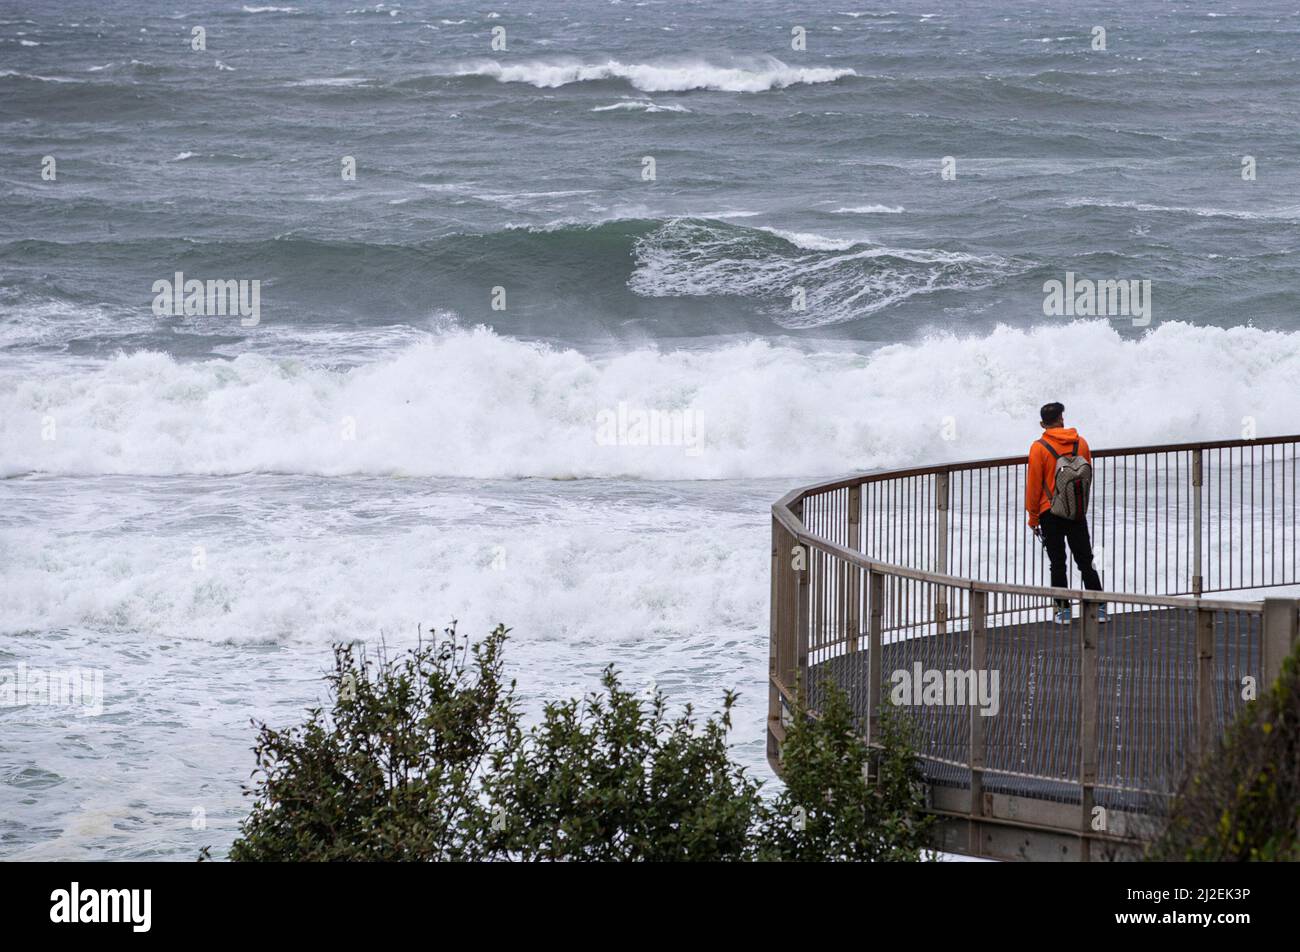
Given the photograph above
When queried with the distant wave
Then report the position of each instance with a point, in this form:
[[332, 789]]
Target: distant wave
[[842, 279], [644, 105], [476, 404], [331, 81], [1290, 213], [33, 77], [870, 210], [768, 73]]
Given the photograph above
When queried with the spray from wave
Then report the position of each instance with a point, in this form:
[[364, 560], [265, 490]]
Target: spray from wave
[[475, 404]]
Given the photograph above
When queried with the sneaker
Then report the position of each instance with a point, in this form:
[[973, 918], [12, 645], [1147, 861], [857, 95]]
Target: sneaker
[[1063, 616], [1102, 617]]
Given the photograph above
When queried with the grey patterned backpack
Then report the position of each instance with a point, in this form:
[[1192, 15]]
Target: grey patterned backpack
[[1073, 483]]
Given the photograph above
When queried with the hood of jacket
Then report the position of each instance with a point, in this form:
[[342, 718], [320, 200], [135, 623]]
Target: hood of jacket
[[1062, 438]]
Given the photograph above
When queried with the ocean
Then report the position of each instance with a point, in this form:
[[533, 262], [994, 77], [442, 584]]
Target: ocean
[[610, 277]]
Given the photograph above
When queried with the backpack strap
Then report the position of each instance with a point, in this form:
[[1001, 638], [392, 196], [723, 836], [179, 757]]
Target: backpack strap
[[1075, 451], [1055, 455]]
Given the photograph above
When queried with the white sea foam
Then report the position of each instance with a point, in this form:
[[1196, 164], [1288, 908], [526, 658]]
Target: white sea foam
[[294, 562], [765, 74], [475, 404]]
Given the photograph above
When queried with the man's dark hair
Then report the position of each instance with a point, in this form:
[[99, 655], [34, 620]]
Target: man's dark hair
[[1052, 413]]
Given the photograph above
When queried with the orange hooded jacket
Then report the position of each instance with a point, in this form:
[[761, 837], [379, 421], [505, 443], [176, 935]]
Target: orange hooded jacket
[[1040, 480]]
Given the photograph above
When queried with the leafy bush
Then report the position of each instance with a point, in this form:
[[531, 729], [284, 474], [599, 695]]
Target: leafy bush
[[830, 809], [613, 778], [1243, 803], [393, 772], [423, 757]]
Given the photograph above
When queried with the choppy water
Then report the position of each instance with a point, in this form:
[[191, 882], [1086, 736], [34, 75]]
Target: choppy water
[[474, 485]]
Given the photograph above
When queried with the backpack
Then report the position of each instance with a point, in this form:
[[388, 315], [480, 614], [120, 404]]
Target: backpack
[[1073, 483]]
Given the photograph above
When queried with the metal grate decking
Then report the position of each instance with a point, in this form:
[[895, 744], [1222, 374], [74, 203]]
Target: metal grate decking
[[1031, 747]]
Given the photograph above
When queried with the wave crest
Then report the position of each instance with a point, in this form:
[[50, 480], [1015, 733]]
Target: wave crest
[[841, 279], [475, 404], [769, 73]]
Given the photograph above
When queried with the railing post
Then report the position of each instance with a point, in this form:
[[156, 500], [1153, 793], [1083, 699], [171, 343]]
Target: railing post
[[802, 619], [774, 643], [876, 594], [1198, 479], [854, 619], [782, 639], [978, 660], [1279, 637], [941, 483], [1205, 720], [1087, 725]]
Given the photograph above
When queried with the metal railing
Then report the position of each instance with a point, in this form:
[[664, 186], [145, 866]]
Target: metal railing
[[884, 580]]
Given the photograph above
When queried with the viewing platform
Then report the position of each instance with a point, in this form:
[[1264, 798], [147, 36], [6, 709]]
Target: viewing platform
[[1077, 734]]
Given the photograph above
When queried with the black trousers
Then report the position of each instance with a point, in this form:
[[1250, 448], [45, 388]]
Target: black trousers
[[1056, 533]]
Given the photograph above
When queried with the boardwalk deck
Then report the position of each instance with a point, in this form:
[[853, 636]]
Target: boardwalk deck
[[1146, 711]]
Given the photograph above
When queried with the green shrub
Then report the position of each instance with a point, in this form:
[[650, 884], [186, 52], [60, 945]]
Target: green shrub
[[422, 757], [1243, 803], [392, 773], [831, 809], [612, 778]]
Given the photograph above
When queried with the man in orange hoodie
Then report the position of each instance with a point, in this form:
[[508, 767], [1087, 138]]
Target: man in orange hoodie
[[1056, 530]]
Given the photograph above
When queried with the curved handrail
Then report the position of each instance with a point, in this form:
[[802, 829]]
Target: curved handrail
[[783, 511]]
